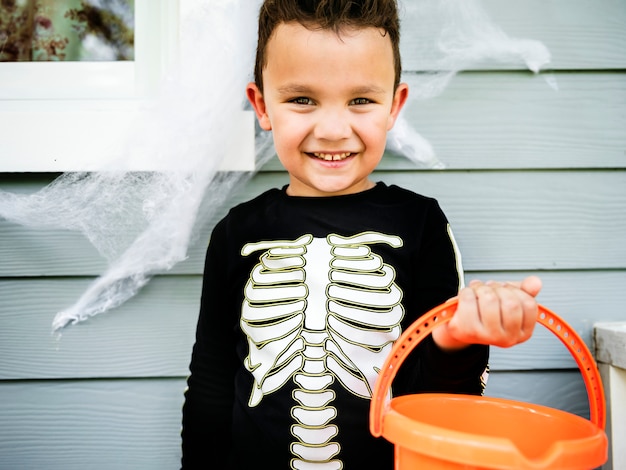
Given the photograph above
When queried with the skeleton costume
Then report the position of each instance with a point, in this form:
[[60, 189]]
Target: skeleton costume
[[301, 302]]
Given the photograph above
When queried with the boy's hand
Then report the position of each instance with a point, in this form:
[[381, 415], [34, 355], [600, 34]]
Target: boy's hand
[[497, 313]]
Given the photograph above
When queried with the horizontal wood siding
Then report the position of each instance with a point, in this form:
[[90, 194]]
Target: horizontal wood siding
[[534, 183], [504, 220], [152, 334], [135, 424], [580, 34], [96, 425], [515, 120]]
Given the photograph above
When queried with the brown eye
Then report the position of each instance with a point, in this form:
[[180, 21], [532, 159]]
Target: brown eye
[[361, 101]]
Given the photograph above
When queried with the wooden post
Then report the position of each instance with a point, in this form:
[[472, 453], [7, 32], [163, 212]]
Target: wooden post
[[610, 351]]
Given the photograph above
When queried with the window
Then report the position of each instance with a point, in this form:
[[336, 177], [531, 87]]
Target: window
[[52, 111]]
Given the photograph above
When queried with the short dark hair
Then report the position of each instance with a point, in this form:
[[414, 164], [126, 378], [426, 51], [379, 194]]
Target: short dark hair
[[327, 14]]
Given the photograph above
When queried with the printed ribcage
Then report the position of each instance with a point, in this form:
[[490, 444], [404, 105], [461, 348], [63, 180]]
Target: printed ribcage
[[316, 311]]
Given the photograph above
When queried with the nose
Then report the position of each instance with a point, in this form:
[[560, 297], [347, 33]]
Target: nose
[[333, 124]]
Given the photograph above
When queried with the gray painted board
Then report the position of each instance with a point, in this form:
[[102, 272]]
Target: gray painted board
[[502, 220], [578, 34], [517, 121], [135, 424], [105, 425], [152, 334]]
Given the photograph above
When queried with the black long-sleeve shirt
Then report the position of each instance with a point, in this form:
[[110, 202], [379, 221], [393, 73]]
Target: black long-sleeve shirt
[[302, 299]]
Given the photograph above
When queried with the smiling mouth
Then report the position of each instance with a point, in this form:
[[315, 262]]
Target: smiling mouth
[[332, 157]]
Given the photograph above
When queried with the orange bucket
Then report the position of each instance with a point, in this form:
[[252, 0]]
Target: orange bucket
[[450, 432]]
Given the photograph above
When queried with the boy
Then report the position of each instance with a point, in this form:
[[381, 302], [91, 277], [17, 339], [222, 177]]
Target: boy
[[306, 287]]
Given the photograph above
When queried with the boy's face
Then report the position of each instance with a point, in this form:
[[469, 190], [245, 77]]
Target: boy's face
[[329, 100]]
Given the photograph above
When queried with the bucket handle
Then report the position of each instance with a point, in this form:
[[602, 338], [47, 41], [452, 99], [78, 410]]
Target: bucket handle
[[423, 326]]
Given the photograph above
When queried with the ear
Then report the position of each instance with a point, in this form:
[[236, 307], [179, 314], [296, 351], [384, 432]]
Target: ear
[[258, 103], [399, 99]]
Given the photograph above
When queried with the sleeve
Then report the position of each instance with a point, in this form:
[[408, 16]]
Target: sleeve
[[207, 411], [439, 276]]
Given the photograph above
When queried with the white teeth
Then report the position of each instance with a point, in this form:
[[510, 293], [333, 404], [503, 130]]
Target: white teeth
[[332, 156]]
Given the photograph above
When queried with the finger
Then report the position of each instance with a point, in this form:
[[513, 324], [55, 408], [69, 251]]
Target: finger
[[529, 309], [489, 311], [474, 283], [467, 313], [452, 335], [511, 316], [531, 285], [519, 312]]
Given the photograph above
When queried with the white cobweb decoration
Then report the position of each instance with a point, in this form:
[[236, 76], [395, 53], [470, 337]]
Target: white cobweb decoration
[[143, 223], [448, 36]]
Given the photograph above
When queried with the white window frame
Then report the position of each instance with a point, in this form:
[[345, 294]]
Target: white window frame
[[50, 112]]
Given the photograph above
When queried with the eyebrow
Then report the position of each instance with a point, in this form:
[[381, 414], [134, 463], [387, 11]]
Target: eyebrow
[[368, 90], [295, 89]]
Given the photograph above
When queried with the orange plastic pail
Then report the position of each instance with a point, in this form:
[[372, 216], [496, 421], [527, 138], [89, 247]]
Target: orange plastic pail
[[451, 432]]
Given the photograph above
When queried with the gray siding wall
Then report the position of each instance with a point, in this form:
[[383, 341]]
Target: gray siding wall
[[535, 183]]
